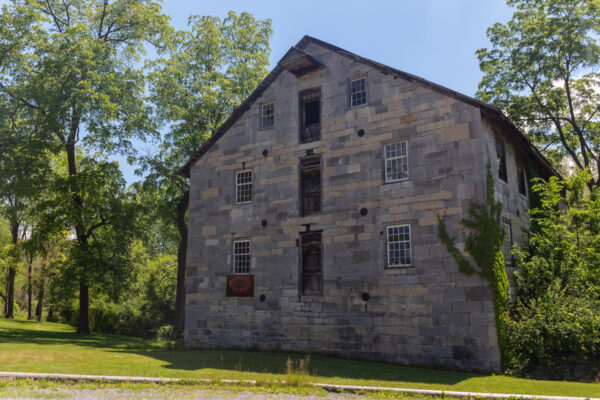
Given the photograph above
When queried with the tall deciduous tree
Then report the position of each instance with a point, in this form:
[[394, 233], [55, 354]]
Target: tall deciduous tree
[[543, 71], [23, 160], [74, 65], [211, 69]]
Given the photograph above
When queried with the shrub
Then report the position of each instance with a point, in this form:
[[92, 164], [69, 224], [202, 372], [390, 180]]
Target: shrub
[[165, 332], [124, 318], [553, 328], [555, 337]]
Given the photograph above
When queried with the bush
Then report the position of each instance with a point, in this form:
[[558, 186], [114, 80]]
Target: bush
[[165, 332], [553, 329], [555, 337], [123, 318]]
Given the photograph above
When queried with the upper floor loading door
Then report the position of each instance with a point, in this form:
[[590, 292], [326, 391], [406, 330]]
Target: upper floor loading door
[[310, 106], [310, 185], [312, 264]]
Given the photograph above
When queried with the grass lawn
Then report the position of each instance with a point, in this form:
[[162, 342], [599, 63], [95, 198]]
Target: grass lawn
[[54, 348]]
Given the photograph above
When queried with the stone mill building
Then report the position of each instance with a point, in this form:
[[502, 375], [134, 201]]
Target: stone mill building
[[313, 215]]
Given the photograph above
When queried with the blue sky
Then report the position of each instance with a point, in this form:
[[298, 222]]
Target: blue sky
[[434, 39]]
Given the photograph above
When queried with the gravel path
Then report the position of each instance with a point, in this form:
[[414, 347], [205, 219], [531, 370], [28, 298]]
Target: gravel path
[[163, 393]]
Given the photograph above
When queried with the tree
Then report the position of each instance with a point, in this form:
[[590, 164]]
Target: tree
[[22, 164], [103, 261], [553, 331], [209, 71], [543, 71], [74, 64]]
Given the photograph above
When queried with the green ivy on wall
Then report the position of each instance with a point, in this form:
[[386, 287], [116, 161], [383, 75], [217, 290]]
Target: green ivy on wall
[[483, 242]]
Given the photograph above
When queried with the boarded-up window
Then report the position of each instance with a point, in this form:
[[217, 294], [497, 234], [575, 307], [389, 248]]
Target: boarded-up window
[[310, 185], [501, 160], [310, 106], [312, 264]]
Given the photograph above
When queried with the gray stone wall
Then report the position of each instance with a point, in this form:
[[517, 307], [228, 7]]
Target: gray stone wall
[[425, 314], [515, 210]]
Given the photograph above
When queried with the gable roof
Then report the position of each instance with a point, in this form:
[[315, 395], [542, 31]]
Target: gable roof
[[491, 113]]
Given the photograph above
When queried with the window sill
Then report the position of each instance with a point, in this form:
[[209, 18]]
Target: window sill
[[313, 298], [243, 204], [267, 129], [399, 267], [397, 181]]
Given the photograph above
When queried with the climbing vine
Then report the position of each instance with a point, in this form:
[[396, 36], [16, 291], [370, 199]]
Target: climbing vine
[[483, 242]]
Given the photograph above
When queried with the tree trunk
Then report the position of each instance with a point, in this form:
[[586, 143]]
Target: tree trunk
[[182, 208], [83, 324], [5, 309], [40, 303], [12, 272], [29, 287]]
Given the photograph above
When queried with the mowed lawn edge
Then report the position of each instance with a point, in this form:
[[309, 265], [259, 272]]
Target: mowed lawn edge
[[27, 346]]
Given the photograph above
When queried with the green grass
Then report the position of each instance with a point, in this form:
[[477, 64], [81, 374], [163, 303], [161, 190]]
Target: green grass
[[55, 348]]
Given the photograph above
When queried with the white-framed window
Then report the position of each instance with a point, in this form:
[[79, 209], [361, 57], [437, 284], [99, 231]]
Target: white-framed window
[[267, 114], [398, 246], [241, 257], [358, 92], [395, 156], [507, 245], [243, 187]]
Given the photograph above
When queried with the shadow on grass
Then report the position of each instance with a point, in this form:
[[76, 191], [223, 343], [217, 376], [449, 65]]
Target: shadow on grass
[[23, 332], [320, 365]]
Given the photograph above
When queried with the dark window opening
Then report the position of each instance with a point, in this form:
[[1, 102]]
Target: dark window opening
[[310, 185], [508, 241], [312, 264], [525, 238], [310, 102], [501, 158], [522, 179]]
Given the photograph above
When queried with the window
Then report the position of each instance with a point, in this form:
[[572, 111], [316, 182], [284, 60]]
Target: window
[[241, 257], [358, 92], [312, 263], [398, 246], [268, 115], [310, 185], [243, 187], [396, 161], [522, 179], [501, 159], [310, 106], [525, 239], [507, 245]]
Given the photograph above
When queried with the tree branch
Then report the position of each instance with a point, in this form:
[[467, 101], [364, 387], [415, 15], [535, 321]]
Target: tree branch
[[164, 172], [582, 142], [50, 12]]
